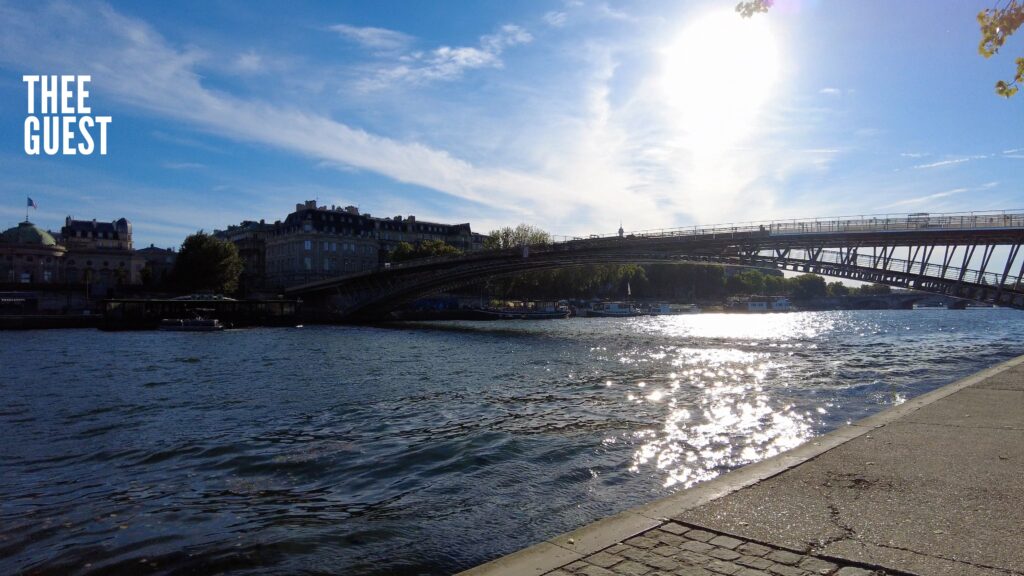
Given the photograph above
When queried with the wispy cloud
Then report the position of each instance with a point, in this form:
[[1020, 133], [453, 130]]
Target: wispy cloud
[[447, 62], [926, 198], [556, 19], [249, 62], [828, 91], [132, 63], [373, 38], [183, 165], [914, 154], [943, 163]]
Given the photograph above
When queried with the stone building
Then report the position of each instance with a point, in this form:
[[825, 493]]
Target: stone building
[[251, 240], [158, 263], [100, 253], [317, 242], [29, 254]]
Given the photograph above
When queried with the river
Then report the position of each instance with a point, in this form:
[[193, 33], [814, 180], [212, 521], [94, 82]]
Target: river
[[421, 448]]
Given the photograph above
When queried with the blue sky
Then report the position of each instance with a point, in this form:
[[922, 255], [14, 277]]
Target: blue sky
[[568, 114]]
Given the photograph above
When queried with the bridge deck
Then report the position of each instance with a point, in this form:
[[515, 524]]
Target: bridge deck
[[929, 487], [972, 256]]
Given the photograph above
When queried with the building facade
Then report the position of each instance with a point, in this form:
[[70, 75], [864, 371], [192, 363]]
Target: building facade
[[158, 263], [318, 242], [98, 254], [29, 254]]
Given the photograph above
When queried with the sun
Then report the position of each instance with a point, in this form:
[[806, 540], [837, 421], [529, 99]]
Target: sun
[[718, 75]]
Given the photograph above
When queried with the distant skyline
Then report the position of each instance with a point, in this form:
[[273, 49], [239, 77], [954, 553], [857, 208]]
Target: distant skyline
[[572, 115]]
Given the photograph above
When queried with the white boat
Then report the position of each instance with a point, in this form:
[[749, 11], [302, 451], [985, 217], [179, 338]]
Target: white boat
[[929, 305], [196, 324], [662, 309], [614, 310], [764, 304]]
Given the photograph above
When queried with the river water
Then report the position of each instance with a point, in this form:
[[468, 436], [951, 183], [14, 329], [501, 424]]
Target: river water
[[421, 448]]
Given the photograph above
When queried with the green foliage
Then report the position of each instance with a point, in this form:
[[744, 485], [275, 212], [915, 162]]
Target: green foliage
[[207, 264], [681, 282], [807, 287], [838, 289], [748, 8], [423, 249], [521, 235], [998, 24], [573, 282], [874, 289], [750, 282]]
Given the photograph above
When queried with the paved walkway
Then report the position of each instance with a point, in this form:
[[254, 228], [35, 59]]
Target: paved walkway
[[934, 486]]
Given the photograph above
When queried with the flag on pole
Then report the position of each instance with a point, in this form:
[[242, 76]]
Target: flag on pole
[[32, 204], [629, 291]]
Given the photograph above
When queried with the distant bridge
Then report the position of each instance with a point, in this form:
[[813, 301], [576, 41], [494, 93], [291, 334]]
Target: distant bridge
[[964, 255]]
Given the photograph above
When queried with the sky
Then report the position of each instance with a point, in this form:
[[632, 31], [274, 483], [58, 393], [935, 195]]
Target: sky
[[571, 115]]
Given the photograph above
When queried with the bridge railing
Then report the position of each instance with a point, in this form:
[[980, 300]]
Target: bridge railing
[[838, 224]]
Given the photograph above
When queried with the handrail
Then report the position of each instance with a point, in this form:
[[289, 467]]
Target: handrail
[[863, 223]]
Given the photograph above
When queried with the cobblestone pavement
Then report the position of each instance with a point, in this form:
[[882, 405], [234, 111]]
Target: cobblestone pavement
[[680, 550]]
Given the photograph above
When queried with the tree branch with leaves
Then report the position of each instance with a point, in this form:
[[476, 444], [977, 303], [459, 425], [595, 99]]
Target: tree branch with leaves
[[997, 24]]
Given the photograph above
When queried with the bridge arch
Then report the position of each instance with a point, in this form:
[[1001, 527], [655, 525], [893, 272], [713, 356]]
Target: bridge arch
[[972, 256]]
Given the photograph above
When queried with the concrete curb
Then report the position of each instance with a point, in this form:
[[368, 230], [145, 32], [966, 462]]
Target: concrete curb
[[569, 547]]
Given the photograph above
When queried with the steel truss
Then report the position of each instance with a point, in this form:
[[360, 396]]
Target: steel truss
[[974, 257]]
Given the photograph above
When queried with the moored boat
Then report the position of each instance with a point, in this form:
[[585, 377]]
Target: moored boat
[[195, 324], [614, 310]]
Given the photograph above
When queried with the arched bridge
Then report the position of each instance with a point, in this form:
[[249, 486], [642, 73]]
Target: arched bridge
[[969, 255]]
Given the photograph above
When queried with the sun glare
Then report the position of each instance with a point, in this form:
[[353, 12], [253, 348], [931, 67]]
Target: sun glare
[[719, 72]]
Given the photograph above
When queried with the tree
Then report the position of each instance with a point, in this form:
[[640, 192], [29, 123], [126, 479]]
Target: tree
[[874, 289], [746, 282], [837, 289], [996, 24], [807, 287], [207, 263], [424, 249], [521, 235]]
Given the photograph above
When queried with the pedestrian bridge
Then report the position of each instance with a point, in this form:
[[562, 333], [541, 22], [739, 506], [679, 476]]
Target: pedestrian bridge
[[964, 255]]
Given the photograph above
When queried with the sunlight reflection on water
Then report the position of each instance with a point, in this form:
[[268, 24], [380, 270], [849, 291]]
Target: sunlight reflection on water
[[717, 415]]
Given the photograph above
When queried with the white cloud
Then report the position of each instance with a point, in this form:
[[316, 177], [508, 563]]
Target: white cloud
[[597, 148], [927, 198], [944, 163], [607, 11], [249, 62], [447, 62], [373, 38], [831, 91], [132, 63], [183, 165], [914, 154], [556, 19]]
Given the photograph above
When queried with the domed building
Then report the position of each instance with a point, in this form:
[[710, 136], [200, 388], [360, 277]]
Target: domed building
[[99, 254], [29, 254]]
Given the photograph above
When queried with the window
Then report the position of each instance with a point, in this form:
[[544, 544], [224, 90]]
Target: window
[[325, 245], [309, 245], [308, 262], [327, 264], [334, 246]]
